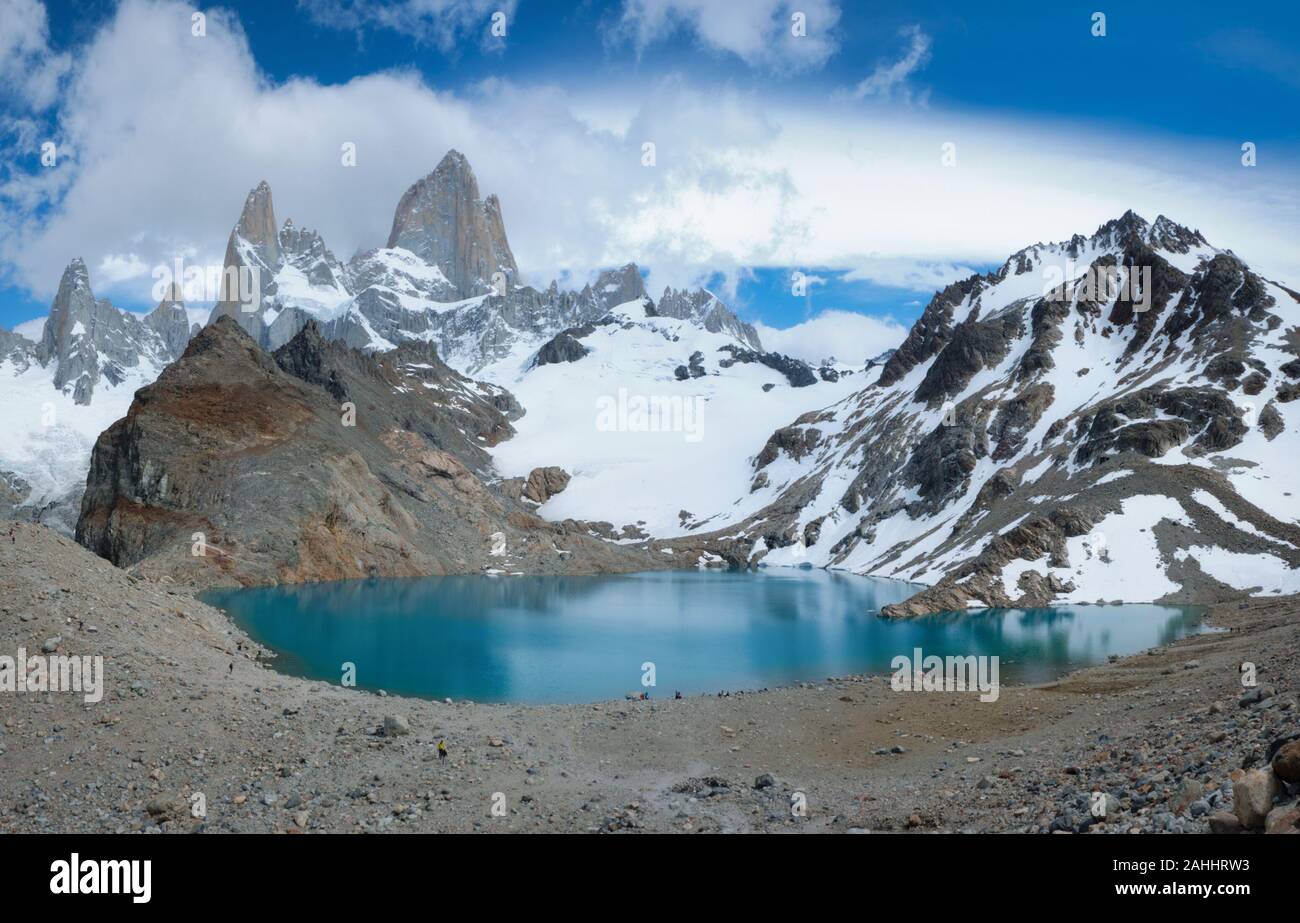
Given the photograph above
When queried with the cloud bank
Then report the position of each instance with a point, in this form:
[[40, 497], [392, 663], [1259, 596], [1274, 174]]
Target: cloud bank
[[161, 135]]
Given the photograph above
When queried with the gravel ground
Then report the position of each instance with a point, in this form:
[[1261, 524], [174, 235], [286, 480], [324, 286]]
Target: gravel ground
[[190, 708]]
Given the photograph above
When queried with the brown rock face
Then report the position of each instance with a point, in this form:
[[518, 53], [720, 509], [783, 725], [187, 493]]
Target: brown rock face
[[545, 483], [443, 220], [1252, 797], [316, 462], [1286, 762]]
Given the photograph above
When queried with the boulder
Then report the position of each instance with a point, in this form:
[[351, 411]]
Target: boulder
[[1252, 797], [396, 726], [1285, 818], [544, 483], [1286, 762]]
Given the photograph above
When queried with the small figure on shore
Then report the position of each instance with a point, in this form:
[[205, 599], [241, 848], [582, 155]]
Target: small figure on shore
[[232, 669], [677, 694], [442, 750]]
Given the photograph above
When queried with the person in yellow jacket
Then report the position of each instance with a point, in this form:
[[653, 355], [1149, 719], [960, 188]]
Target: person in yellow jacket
[[442, 750]]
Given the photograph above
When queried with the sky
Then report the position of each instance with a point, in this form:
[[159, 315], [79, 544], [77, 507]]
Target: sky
[[820, 153]]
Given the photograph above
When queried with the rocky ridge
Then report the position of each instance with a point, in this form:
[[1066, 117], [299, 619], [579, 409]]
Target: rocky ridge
[[1098, 420], [318, 462]]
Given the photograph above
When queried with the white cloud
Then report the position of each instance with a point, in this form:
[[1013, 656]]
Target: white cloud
[[889, 79], [444, 23], [29, 71], [117, 267], [914, 274], [767, 34], [152, 169], [845, 335]]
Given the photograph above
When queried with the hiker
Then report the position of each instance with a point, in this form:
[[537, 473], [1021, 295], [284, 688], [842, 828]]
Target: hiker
[[442, 750], [232, 669], [677, 694]]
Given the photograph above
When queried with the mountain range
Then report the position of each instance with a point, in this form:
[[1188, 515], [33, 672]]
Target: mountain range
[[1099, 419]]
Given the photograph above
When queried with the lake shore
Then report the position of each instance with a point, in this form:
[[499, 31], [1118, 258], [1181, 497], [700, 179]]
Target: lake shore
[[189, 708]]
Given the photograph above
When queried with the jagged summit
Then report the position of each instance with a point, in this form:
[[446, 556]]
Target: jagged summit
[[257, 222], [442, 219], [446, 275]]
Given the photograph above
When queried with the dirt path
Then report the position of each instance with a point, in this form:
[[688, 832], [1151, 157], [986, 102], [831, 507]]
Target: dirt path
[[268, 752]]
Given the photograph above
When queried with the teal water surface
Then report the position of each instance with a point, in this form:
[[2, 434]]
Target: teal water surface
[[575, 639]]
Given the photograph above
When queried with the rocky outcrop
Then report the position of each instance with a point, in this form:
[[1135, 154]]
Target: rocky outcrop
[[563, 347], [544, 483], [794, 441], [316, 462], [694, 367], [930, 333], [443, 220], [797, 372], [172, 324], [706, 309], [1204, 418]]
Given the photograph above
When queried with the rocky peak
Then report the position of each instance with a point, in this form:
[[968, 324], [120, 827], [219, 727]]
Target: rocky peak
[[619, 286], [305, 250], [705, 308], [171, 322], [66, 338], [1166, 234], [253, 248], [257, 223], [443, 220], [1122, 232]]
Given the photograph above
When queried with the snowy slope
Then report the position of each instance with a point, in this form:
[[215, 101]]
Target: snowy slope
[[1037, 438], [632, 468]]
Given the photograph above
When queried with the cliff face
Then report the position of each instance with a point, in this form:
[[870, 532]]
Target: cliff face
[[442, 220], [317, 462]]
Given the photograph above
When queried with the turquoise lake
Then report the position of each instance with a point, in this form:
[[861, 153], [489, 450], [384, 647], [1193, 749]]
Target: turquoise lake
[[578, 639]]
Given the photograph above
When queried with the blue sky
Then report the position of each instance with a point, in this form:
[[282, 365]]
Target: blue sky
[[773, 155]]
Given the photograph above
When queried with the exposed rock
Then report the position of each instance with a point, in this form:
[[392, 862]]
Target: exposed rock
[[693, 369], [443, 220], [1285, 818], [794, 441], [705, 308], [1253, 795], [545, 483], [1224, 823], [396, 726], [563, 347], [318, 462], [796, 371], [1286, 762]]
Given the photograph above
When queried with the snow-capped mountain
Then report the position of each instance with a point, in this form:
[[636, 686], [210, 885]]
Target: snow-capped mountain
[[446, 276], [1100, 419], [60, 392]]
